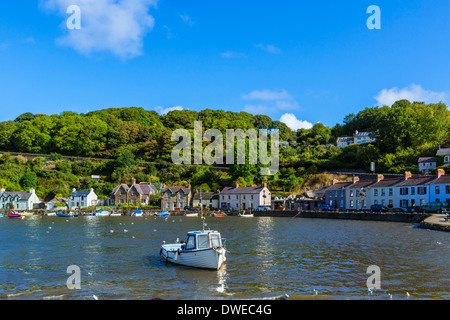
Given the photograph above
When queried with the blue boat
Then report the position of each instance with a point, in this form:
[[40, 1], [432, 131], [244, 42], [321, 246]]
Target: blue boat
[[66, 215], [163, 214], [137, 213]]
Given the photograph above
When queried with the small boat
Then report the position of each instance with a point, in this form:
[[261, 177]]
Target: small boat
[[50, 214], [88, 214], [1, 215], [163, 214], [202, 249], [103, 213], [219, 215], [27, 214], [66, 215], [15, 215], [193, 214], [246, 215], [137, 213], [115, 214]]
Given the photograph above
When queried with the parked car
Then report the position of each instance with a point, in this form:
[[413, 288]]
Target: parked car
[[262, 208], [378, 208], [226, 208], [189, 208], [326, 207], [398, 210], [435, 207]]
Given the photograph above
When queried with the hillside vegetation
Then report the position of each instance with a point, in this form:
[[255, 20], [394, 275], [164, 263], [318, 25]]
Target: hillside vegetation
[[137, 143]]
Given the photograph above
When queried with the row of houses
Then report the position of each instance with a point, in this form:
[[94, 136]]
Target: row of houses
[[404, 192]]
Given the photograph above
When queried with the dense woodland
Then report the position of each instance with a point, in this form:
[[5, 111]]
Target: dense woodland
[[133, 142]]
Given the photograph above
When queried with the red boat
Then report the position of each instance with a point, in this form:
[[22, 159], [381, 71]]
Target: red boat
[[14, 215], [218, 215]]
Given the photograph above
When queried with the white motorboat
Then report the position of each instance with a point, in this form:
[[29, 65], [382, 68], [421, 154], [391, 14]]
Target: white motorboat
[[102, 213], [202, 249], [50, 214], [246, 215], [137, 213], [191, 214]]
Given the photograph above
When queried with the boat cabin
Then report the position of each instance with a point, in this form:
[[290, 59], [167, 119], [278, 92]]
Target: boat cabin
[[201, 240]]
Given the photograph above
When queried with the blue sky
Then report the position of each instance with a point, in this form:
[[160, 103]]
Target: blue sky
[[300, 61]]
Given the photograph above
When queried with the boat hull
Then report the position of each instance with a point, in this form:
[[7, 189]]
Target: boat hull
[[211, 258], [246, 215]]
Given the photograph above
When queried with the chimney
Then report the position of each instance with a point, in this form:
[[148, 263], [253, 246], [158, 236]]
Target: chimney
[[380, 177], [2, 190], [74, 190], [408, 175], [163, 186], [237, 185], [440, 172], [189, 186], [265, 185], [335, 181], [133, 181], [31, 190], [355, 179]]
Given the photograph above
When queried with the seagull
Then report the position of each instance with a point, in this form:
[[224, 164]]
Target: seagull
[[315, 292], [94, 297], [286, 296], [125, 230], [389, 296], [407, 295], [369, 291]]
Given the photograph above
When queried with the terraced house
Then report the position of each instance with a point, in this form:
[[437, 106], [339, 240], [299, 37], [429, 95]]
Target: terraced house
[[173, 198], [134, 193]]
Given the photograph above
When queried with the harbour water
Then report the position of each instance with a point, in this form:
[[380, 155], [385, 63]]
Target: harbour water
[[267, 257]]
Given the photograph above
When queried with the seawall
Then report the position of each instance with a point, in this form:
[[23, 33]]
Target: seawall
[[367, 216]]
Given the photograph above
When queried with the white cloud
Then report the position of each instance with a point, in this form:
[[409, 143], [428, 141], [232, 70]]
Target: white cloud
[[232, 54], [266, 94], [116, 26], [270, 48], [387, 97], [293, 123], [163, 111], [186, 19]]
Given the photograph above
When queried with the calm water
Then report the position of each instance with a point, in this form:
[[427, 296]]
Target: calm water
[[119, 259]]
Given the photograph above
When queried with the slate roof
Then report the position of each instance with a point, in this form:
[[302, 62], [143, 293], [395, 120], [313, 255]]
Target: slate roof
[[242, 190], [177, 189], [427, 159], [21, 194], [443, 152]]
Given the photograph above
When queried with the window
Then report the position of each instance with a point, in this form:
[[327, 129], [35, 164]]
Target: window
[[215, 241], [351, 203], [447, 189], [437, 190], [383, 192], [391, 192], [375, 192], [181, 204], [413, 190], [351, 194], [223, 197], [403, 203], [403, 191], [168, 205], [168, 196], [422, 190], [203, 241], [181, 196], [190, 243]]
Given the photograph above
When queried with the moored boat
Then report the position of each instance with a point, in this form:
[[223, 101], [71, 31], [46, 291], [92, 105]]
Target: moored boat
[[202, 249], [27, 214], [163, 214], [218, 215], [137, 213], [50, 214], [191, 214], [66, 215], [102, 213], [246, 215], [15, 215], [115, 214]]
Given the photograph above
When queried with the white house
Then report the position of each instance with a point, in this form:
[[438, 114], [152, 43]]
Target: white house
[[446, 153], [244, 198], [208, 200], [79, 199], [427, 164], [358, 194], [19, 200]]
